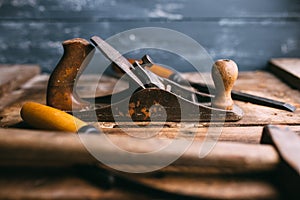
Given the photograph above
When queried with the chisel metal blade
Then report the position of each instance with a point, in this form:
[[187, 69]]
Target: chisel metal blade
[[240, 96], [116, 57], [262, 101]]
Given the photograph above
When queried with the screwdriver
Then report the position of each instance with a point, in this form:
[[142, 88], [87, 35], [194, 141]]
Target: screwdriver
[[159, 70], [48, 118], [236, 95]]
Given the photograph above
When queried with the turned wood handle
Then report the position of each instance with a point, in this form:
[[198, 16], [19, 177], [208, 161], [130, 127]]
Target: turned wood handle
[[49, 118], [61, 91], [224, 74]]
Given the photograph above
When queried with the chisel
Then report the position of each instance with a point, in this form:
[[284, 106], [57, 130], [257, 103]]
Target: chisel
[[236, 95], [240, 96]]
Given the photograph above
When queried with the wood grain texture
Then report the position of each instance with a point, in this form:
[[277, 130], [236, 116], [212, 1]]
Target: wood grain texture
[[287, 69], [61, 149], [40, 148], [211, 187], [58, 183], [65, 185], [13, 76], [257, 83], [287, 144], [243, 31], [72, 183], [132, 9], [12, 102], [263, 84]]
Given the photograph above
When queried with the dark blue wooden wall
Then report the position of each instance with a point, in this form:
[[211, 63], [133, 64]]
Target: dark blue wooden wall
[[248, 31]]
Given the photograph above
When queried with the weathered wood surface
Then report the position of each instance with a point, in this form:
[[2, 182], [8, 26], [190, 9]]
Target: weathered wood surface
[[59, 183], [287, 143], [12, 76], [257, 83], [287, 69], [32, 30], [52, 148], [38, 148], [263, 84], [232, 187], [214, 187], [72, 183], [95, 10], [11, 103]]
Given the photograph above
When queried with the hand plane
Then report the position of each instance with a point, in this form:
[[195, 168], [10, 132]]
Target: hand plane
[[148, 98]]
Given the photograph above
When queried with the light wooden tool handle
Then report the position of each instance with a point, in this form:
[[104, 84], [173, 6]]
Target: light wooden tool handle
[[224, 74], [61, 91], [155, 68], [48, 118]]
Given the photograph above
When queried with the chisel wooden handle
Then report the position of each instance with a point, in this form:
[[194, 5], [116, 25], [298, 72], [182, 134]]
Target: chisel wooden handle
[[48, 118]]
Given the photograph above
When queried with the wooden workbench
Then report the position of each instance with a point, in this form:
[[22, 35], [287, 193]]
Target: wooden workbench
[[19, 84]]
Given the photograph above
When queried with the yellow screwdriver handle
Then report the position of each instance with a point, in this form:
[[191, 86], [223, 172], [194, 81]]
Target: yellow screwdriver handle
[[48, 118]]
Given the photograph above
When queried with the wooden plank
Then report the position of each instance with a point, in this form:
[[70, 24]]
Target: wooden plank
[[58, 183], [31, 148], [35, 90], [13, 76], [10, 106], [249, 134], [262, 84], [287, 69], [211, 187], [233, 29], [74, 183], [239, 40], [287, 144], [45, 148], [137, 10]]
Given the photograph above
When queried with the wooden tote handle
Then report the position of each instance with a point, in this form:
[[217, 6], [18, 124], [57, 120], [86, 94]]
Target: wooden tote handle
[[61, 91]]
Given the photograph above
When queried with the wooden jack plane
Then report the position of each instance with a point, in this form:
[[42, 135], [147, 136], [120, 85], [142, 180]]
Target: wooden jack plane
[[148, 98]]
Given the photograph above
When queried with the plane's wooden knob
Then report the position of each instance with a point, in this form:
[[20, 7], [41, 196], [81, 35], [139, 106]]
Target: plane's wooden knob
[[224, 74]]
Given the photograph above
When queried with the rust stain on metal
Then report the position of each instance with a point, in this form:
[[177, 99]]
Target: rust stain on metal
[[146, 112], [131, 109]]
